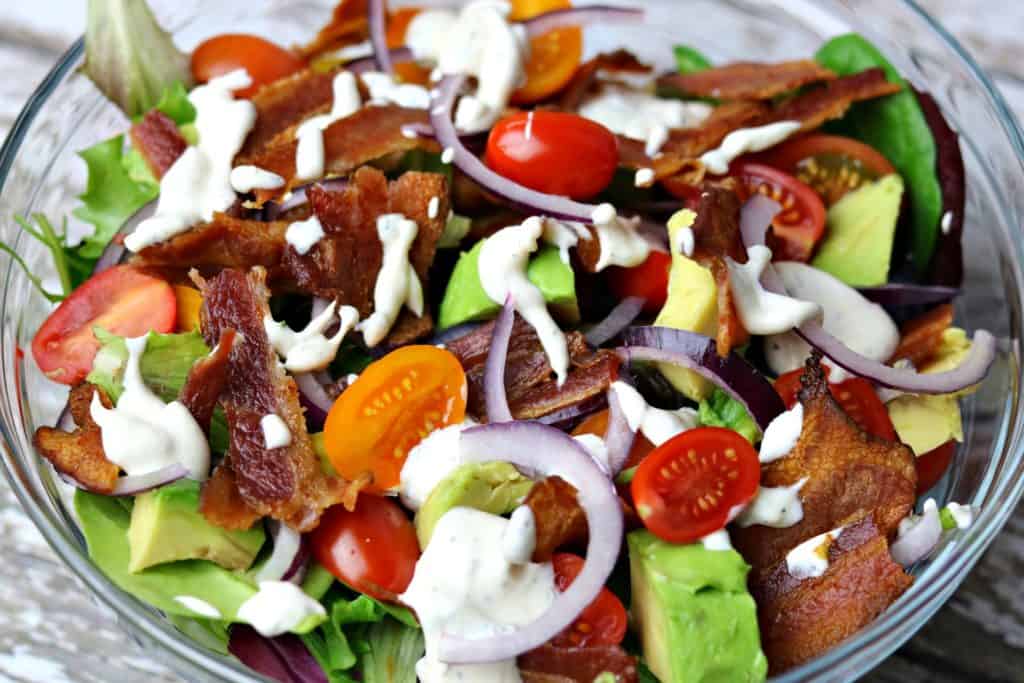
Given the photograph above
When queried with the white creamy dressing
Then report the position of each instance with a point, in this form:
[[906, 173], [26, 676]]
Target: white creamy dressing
[[621, 244], [309, 153], [685, 241], [947, 222], [502, 265], [428, 463], [278, 607], [654, 423], [717, 540], [809, 560], [520, 537], [746, 140], [644, 177], [775, 506], [464, 585], [564, 236], [309, 350], [143, 434], [763, 312], [304, 235], [782, 434], [397, 282], [447, 155], [479, 41], [963, 515], [198, 184], [642, 116], [245, 179], [384, 89], [275, 432], [433, 207], [199, 606]]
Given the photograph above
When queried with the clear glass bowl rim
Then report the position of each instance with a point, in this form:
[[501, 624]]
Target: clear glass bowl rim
[[852, 658]]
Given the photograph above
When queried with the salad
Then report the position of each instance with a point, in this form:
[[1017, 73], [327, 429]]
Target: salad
[[432, 350]]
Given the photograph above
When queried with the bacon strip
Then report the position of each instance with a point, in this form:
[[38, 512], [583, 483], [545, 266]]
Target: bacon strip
[[814, 107], [849, 473], [348, 24], [79, 454], [748, 80], [800, 619], [559, 519], [157, 139], [553, 664], [285, 483], [622, 61], [529, 379]]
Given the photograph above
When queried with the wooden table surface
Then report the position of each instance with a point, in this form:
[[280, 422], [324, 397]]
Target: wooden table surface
[[51, 631]]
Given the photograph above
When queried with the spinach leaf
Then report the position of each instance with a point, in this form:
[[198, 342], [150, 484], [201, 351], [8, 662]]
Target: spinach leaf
[[690, 60]]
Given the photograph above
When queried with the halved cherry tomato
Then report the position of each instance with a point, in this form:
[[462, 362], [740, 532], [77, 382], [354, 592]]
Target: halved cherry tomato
[[372, 549], [685, 489], [398, 24], [597, 424], [190, 302], [855, 396], [123, 300], [554, 56], [265, 61], [604, 620], [932, 465], [831, 165], [396, 402], [649, 281], [801, 223], [554, 152]]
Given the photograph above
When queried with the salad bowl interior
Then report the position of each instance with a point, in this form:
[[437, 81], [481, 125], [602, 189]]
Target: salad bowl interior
[[39, 172]]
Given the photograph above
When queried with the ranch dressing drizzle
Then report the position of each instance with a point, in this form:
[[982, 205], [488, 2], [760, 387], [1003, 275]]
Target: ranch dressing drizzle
[[621, 245], [385, 90], [641, 116], [248, 178], [747, 140], [782, 434], [763, 312], [198, 184], [564, 235], [278, 607], [304, 235], [502, 264], [309, 153], [775, 506], [428, 463], [143, 434], [310, 350], [199, 606], [656, 424], [397, 282], [809, 560]]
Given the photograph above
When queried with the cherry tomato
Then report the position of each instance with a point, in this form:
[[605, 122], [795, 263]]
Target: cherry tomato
[[265, 61], [123, 300], [604, 620], [856, 396], [649, 281], [189, 301], [801, 223], [394, 404], [831, 165], [597, 424], [372, 549], [554, 152], [685, 489], [554, 56], [932, 465]]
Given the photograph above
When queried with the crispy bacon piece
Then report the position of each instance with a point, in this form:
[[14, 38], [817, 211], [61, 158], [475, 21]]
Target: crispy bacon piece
[[622, 61], [849, 473], [814, 107], [79, 454], [748, 80], [207, 379], [920, 338], [157, 138], [221, 503], [285, 483], [529, 379], [285, 103], [800, 619], [348, 24], [559, 519], [551, 664]]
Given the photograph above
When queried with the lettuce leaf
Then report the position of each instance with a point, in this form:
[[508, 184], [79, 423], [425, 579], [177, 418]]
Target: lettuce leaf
[[72, 269], [721, 410], [689, 59]]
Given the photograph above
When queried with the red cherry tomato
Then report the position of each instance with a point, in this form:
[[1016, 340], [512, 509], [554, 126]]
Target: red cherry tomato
[[265, 61], [123, 300], [604, 620], [801, 223], [554, 152], [648, 281], [372, 549], [685, 489], [855, 396], [932, 465]]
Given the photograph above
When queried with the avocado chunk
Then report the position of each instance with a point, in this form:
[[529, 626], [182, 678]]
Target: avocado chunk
[[466, 301], [697, 621], [692, 305], [166, 526], [859, 233], [926, 422], [494, 487]]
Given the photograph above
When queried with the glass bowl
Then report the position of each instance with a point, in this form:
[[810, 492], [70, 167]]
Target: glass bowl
[[39, 172]]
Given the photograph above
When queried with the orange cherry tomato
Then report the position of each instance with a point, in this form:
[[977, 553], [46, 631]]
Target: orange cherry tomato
[[554, 56], [597, 424], [685, 489], [123, 300], [265, 61], [932, 465], [398, 24], [554, 152], [800, 225], [649, 280], [190, 301], [372, 549], [604, 620], [395, 404], [856, 396]]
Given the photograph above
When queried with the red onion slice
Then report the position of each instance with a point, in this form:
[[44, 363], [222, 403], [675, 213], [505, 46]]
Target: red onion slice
[[905, 294], [620, 317], [314, 399], [140, 483], [378, 35], [495, 397], [398, 55], [921, 538], [696, 352], [618, 437], [545, 451], [287, 544]]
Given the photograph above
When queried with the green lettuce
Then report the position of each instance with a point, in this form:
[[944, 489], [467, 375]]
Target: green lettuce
[[721, 410], [72, 269], [689, 59]]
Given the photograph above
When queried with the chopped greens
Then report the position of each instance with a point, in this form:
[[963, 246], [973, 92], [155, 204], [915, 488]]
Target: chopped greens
[[72, 268], [690, 60]]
